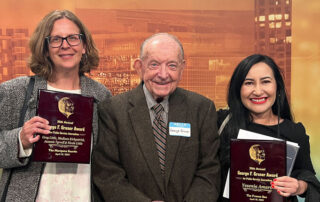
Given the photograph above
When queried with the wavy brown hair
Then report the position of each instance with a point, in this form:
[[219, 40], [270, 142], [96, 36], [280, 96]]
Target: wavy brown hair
[[40, 62]]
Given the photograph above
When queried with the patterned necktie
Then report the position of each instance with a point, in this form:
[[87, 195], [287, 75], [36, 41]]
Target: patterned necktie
[[160, 133]]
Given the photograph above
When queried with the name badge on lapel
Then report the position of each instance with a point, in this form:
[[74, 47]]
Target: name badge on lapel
[[180, 129]]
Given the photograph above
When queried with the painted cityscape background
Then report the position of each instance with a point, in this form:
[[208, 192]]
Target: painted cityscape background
[[216, 35], [214, 42]]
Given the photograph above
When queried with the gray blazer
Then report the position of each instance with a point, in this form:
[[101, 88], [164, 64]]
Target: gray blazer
[[125, 164], [26, 174]]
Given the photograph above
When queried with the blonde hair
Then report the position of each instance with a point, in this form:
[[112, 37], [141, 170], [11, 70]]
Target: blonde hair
[[40, 62]]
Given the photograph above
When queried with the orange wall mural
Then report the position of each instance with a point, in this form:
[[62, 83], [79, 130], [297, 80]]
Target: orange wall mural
[[216, 35]]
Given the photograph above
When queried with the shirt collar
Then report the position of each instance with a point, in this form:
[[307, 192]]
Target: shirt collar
[[151, 102]]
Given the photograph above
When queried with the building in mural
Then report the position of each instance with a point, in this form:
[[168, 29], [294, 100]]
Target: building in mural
[[13, 52], [273, 22]]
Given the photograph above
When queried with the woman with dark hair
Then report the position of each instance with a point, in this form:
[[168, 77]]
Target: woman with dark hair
[[257, 102], [62, 50]]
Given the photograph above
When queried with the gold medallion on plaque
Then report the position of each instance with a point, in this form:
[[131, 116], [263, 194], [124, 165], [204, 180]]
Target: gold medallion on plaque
[[66, 106], [257, 153]]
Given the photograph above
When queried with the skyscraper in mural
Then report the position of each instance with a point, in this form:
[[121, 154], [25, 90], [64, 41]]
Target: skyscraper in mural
[[13, 52], [273, 22]]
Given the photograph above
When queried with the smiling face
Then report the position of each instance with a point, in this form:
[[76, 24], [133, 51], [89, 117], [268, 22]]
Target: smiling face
[[161, 67], [258, 91], [66, 57]]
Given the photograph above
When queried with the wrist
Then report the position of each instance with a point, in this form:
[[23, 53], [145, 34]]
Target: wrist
[[302, 187]]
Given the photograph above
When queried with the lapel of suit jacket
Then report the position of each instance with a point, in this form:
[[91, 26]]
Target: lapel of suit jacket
[[40, 83], [177, 113], [86, 90], [141, 122]]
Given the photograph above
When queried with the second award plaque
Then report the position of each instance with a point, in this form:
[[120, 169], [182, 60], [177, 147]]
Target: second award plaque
[[70, 118], [253, 165]]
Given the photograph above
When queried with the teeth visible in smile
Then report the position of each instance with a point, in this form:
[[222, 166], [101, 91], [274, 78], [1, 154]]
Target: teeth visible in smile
[[258, 99]]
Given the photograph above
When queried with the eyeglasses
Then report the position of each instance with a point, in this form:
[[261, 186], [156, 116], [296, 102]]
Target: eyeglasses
[[56, 41]]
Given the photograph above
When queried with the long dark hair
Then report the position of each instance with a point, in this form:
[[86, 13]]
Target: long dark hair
[[240, 114]]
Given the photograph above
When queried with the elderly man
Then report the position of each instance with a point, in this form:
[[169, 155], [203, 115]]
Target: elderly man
[[157, 142]]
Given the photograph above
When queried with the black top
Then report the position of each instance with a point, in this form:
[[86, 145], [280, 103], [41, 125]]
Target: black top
[[294, 132]]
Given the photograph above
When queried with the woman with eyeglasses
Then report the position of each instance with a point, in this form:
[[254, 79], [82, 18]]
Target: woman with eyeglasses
[[62, 51]]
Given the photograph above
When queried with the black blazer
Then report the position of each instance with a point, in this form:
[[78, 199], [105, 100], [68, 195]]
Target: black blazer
[[294, 132]]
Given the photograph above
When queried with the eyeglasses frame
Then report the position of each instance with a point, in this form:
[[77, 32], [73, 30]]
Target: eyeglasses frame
[[63, 38]]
